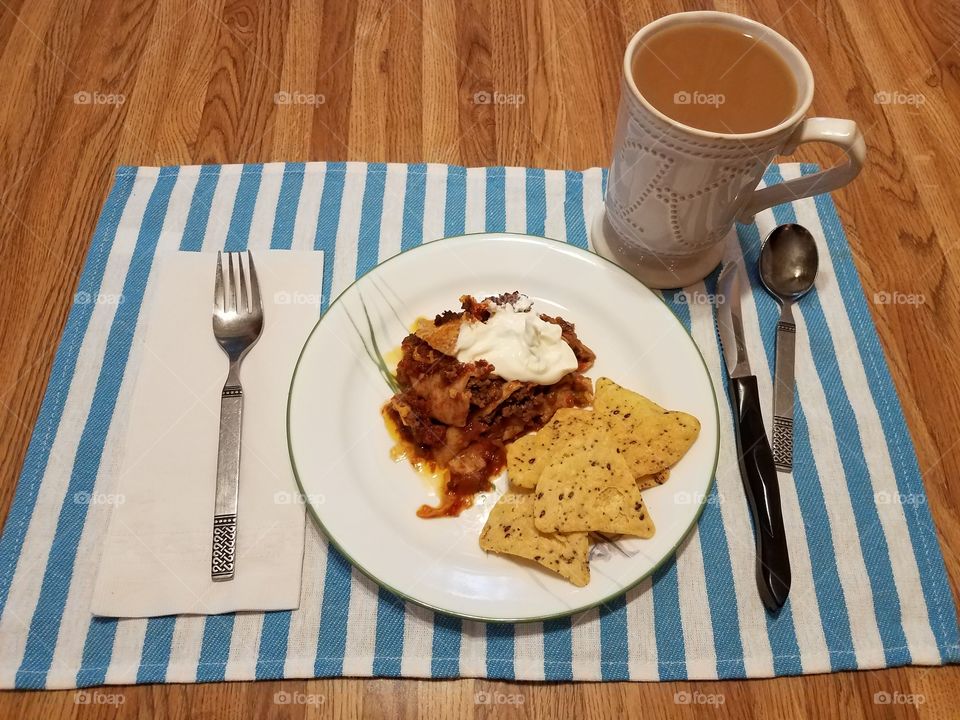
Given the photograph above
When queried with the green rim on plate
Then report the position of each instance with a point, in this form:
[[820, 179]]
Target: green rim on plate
[[480, 618]]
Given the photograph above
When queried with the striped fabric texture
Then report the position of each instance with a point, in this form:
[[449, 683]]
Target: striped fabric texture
[[869, 585]]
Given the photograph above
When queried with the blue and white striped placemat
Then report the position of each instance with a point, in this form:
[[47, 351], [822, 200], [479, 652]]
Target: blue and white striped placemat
[[869, 586]]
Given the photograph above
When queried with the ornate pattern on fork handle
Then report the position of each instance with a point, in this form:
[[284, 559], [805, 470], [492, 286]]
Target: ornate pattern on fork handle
[[224, 547]]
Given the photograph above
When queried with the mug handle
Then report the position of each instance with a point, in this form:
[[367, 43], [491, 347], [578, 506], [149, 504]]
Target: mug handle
[[842, 133]]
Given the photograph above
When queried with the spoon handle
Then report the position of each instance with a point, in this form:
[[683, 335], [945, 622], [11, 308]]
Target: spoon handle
[[783, 390]]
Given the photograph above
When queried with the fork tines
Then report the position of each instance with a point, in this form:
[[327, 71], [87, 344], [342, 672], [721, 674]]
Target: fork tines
[[226, 293]]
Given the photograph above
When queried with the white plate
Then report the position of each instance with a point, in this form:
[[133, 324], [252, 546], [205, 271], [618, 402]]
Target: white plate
[[366, 503]]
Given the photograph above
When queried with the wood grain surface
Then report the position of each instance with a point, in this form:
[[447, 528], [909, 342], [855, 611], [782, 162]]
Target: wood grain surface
[[396, 81]]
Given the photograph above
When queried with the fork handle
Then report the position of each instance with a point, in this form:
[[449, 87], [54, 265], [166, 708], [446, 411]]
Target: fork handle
[[228, 482]]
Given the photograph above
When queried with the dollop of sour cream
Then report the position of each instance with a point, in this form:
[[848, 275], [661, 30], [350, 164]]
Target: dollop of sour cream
[[518, 344]]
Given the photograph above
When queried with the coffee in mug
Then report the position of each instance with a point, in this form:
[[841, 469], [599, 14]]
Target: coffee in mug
[[708, 100], [714, 77]]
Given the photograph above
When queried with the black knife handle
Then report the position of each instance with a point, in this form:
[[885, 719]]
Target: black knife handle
[[763, 493]]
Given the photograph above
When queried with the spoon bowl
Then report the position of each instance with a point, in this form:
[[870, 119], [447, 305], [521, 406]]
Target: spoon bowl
[[788, 262]]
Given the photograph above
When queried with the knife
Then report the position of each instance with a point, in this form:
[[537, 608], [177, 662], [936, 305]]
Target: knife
[[757, 471]]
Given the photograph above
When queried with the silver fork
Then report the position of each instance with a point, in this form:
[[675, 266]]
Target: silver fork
[[237, 324]]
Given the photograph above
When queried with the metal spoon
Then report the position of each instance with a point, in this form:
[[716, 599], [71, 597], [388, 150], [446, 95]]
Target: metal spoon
[[788, 267]]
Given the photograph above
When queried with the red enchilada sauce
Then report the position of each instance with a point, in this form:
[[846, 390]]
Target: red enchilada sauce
[[456, 488]]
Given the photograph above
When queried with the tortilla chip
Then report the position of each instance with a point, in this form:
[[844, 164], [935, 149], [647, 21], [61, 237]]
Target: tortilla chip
[[442, 338], [651, 438], [588, 488], [510, 530], [650, 481], [524, 462], [528, 455]]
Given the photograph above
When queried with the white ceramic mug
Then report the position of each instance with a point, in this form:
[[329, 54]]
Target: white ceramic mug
[[674, 191]]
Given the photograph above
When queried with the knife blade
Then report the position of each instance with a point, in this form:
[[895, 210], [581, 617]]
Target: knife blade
[[757, 470]]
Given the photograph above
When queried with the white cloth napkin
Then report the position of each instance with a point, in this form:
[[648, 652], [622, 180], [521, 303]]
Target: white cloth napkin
[[156, 556]]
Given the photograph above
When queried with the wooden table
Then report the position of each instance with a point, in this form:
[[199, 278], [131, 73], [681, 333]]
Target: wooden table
[[398, 79]]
